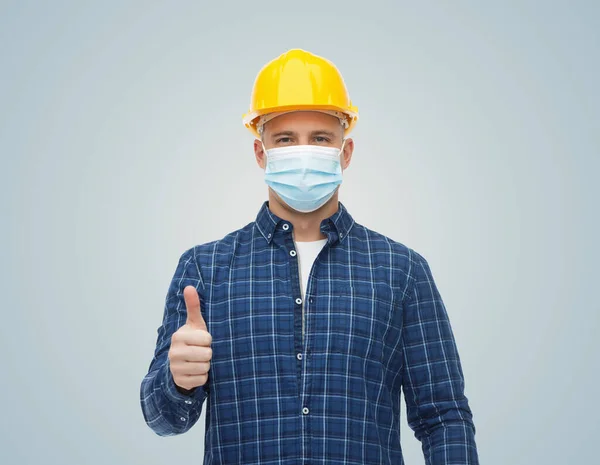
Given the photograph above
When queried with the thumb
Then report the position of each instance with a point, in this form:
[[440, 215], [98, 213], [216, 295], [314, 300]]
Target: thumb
[[192, 304]]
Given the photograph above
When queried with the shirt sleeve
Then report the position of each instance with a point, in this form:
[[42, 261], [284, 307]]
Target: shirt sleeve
[[433, 383], [168, 411]]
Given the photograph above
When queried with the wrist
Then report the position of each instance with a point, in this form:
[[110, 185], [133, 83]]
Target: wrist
[[186, 392]]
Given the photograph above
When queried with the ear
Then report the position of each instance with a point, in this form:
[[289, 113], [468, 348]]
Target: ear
[[347, 153], [259, 153]]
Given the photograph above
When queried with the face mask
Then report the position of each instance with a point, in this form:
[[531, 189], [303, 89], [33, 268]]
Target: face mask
[[304, 176]]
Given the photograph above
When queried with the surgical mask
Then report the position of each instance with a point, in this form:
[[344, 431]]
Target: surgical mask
[[304, 176]]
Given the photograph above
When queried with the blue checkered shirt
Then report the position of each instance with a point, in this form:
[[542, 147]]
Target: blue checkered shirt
[[375, 324]]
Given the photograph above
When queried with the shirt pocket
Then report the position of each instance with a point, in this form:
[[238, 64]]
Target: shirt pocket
[[358, 319]]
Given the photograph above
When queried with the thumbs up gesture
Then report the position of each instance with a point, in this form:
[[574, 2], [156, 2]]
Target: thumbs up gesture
[[190, 352]]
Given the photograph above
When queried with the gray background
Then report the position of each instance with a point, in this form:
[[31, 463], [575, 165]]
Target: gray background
[[122, 145]]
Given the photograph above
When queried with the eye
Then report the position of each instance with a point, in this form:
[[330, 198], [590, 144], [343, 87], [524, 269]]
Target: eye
[[322, 139], [284, 140]]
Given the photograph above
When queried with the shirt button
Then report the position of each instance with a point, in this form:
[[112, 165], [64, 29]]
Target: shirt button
[[305, 411], [182, 418], [269, 235], [293, 253], [188, 401], [299, 356], [310, 300], [298, 300], [286, 226]]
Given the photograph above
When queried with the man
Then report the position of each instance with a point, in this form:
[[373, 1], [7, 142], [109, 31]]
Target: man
[[300, 329]]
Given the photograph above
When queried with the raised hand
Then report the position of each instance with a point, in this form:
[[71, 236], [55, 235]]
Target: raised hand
[[190, 352]]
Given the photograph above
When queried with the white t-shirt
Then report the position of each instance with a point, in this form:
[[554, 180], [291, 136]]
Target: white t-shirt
[[307, 253]]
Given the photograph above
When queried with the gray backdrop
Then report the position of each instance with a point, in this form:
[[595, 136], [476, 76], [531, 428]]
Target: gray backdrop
[[122, 145]]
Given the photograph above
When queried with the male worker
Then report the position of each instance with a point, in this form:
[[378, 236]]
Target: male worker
[[300, 329]]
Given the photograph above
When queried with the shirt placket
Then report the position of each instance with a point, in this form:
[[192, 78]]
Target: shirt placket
[[289, 248], [301, 335]]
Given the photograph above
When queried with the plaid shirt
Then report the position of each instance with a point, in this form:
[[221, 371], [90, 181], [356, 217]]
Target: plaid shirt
[[375, 324]]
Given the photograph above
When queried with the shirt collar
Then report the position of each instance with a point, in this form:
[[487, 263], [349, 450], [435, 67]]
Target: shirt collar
[[269, 224]]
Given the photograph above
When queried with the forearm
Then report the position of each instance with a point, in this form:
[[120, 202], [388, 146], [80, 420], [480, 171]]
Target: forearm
[[452, 443], [166, 409], [444, 427]]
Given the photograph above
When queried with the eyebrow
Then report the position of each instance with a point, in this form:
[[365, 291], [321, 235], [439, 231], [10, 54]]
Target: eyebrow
[[283, 133], [322, 133], [319, 132]]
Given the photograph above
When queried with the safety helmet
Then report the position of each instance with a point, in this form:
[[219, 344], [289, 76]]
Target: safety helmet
[[299, 80]]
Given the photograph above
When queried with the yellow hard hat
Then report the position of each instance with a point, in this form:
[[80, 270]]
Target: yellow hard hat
[[299, 80]]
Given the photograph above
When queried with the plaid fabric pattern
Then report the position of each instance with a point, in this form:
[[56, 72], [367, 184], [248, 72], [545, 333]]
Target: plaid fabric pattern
[[375, 324]]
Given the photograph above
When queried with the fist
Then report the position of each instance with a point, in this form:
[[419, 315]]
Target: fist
[[190, 352]]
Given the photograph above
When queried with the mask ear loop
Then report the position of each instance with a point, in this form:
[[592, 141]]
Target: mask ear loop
[[342, 149]]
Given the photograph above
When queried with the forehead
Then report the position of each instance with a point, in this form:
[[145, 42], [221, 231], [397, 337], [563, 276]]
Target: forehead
[[300, 121]]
